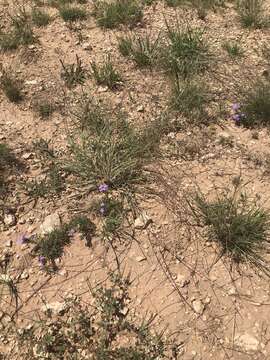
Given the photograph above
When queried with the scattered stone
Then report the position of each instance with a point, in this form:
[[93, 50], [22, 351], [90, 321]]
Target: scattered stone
[[182, 280], [232, 291], [198, 306], [27, 156], [87, 46], [142, 221], [24, 275], [140, 258], [140, 108], [9, 220], [31, 82], [247, 342], [103, 89], [63, 272], [56, 308], [8, 243], [50, 223]]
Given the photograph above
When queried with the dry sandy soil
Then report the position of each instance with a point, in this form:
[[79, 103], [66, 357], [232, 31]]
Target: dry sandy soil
[[213, 311]]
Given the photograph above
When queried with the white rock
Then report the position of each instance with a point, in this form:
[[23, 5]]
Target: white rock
[[50, 223], [31, 82], [56, 308], [182, 280], [198, 306], [86, 46], [9, 220], [140, 258], [142, 221], [247, 342], [9, 243], [24, 275]]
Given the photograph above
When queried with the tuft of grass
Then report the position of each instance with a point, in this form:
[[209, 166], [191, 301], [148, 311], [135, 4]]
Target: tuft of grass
[[45, 109], [72, 13], [7, 160], [256, 104], [140, 48], [238, 225], [22, 27], [252, 14], [111, 14], [174, 3], [11, 87], [190, 99], [108, 149], [51, 245], [233, 49], [73, 74], [40, 17], [106, 74], [9, 41], [186, 52]]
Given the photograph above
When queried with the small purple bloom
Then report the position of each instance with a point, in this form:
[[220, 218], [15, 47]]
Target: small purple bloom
[[102, 208], [22, 239], [42, 260], [103, 187], [236, 117], [71, 232], [236, 106]]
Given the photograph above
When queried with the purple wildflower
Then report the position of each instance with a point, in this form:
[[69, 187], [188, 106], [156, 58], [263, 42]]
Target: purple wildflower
[[236, 117], [102, 209], [42, 260], [71, 232], [22, 239], [236, 106], [103, 188]]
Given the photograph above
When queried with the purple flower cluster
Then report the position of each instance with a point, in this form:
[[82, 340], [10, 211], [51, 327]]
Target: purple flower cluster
[[237, 115], [42, 260], [103, 188]]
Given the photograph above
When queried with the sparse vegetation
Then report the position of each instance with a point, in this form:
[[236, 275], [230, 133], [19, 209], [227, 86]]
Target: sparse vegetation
[[141, 49], [40, 18], [233, 49], [112, 14], [11, 86], [239, 225], [256, 104], [72, 13], [190, 99], [186, 52], [73, 74], [252, 14], [106, 74]]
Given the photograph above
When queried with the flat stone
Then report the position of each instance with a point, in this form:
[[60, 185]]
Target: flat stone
[[9, 220], [50, 223], [142, 221], [56, 308], [247, 342], [140, 258], [198, 306]]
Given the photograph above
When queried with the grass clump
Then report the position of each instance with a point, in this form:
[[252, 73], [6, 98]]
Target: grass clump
[[72, 13], [238, 225], [255, 108], [118, 12], [11, 87], [51, 245], [109, 150], [190, 99], [106, 74], [40, 17], [251, 13], [7, 160], [73, 74], [186, 52], [233, 49], [140, 48]]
